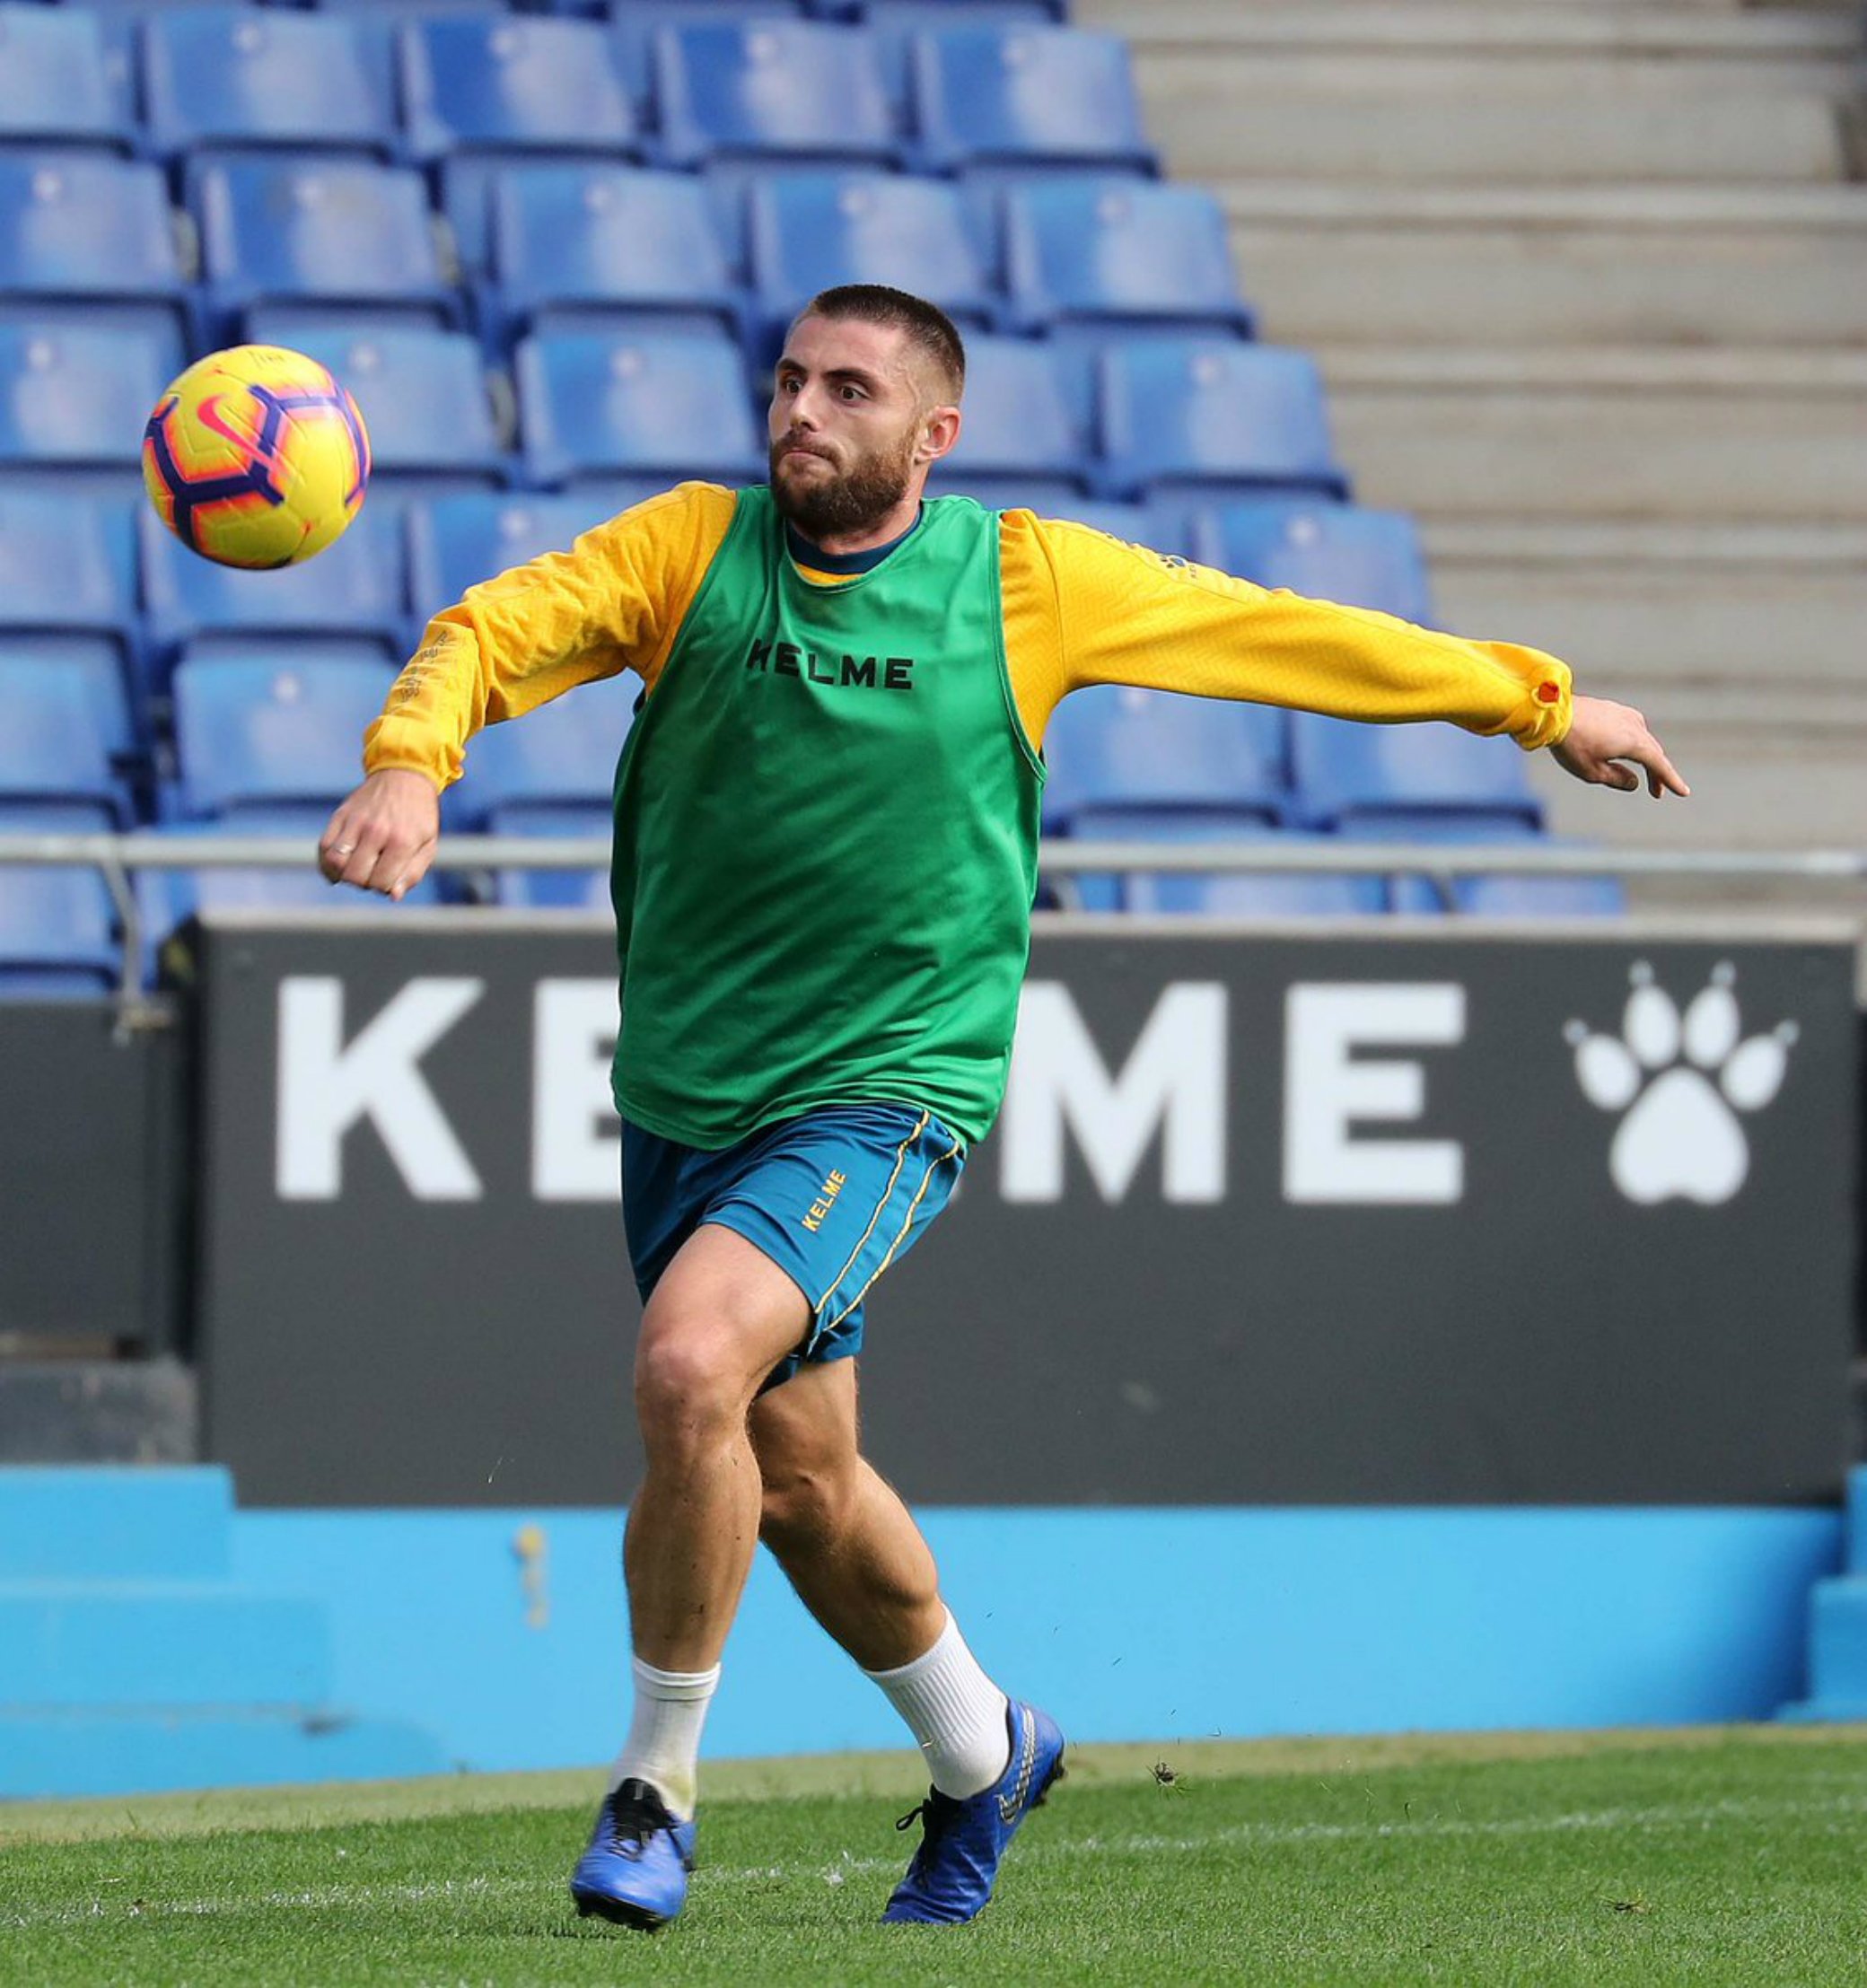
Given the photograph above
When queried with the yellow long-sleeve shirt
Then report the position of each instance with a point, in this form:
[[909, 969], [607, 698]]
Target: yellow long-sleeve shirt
[[1078, 607]]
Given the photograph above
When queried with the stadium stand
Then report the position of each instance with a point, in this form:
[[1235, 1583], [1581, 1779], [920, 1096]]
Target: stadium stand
[[264, 731], [479, 91], [799, 91], [454, 542], [345, 238], [68, 732], [94, 233], [1022, 434], [72, 393], [423, 395], [649, 406], [68, 580], [58, 927], [810, 230], [1329, 551], [354, 593], [626, 266], [1109, 254], [1114, 747], [1013, 96], [56, 82], [594, 245], [1208, 418], [238, 78], [1407, 780]]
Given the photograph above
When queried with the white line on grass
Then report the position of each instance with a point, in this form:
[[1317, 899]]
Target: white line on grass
[[1240, 1836]]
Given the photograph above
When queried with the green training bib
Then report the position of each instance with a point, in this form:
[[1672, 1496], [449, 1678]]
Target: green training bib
[[827, 820]]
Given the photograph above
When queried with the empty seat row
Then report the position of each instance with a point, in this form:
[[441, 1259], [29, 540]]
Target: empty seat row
[[680, 89], [343, 238], [1191, 417]]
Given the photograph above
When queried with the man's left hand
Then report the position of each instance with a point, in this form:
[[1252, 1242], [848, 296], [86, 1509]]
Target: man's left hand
[[1604, 735]]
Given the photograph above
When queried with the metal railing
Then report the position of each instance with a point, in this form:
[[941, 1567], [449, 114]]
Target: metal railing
[[117, 857]]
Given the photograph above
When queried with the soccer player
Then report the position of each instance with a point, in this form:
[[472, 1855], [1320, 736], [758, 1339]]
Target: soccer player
[[827, 821]]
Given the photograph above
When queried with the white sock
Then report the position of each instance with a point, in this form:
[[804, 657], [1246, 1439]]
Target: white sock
[[956, 1713], [663, 1745]]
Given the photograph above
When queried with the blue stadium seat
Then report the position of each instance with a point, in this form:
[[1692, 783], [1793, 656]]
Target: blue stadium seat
[[616, 243], [55, 85], [562, 755], [1328, 551], [634, 24], [810, 230], [220, 77], [422, 393], [337, 236], [95, 232], [771, 89], [556, 890], [1018, 425], [646, 406], [456, 542], [73, 399], [1403, 780], [270, 730], [1219, 893], [1502, 894], [1213, 416], [953, 12], [57, 929], [1012, 94], [1107, 254], [68, 573], [167, 899], [483, 89], [67, 730], [354, 590], [1114, 747]]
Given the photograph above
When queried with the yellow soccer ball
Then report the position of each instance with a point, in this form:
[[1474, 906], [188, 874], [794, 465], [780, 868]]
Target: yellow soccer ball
[[256, 456]]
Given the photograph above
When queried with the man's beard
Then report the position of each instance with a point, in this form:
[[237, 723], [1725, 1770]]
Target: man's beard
[[854, 501]]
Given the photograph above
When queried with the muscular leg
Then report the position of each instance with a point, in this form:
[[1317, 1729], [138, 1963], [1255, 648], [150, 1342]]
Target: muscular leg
[[723, 1316], [843, 1536]]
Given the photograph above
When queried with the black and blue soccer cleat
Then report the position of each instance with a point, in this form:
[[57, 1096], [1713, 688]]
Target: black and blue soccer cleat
[[953, 1873], [635, 1869]]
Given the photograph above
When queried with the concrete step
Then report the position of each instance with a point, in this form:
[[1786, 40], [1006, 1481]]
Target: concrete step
[[1776, 790], [1626, 434], [101, 1523], [1361, 262], [1237, 117], [1531, 29], [1753, 627], [115, 1753]]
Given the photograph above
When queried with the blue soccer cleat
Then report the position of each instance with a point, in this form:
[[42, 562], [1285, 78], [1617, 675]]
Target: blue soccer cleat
[[635, 1869], [950, 1879]]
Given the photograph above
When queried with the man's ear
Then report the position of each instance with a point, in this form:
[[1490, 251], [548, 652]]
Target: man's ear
[[939, 433]]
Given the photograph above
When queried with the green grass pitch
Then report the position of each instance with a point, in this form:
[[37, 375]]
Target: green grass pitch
[[1734, 1855]]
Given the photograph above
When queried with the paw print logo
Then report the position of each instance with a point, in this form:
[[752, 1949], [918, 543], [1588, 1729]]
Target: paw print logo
[[1680, 1080]]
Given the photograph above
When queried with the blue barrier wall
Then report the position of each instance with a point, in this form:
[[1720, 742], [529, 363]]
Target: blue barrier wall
[[503, 1631]]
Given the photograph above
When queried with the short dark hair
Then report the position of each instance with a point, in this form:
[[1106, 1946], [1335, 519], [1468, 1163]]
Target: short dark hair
[[927, 325]]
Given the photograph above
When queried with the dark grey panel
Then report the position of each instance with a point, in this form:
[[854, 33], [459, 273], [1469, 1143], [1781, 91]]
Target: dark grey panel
[[1178, 1271], [93, 1144]]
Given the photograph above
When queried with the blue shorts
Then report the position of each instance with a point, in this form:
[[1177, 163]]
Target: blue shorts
[[833, 1198]]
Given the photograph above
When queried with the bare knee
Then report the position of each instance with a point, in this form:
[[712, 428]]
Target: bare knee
[[692, 1383]]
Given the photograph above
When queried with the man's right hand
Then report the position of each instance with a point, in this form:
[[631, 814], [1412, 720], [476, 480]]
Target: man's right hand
[[383, 837]]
